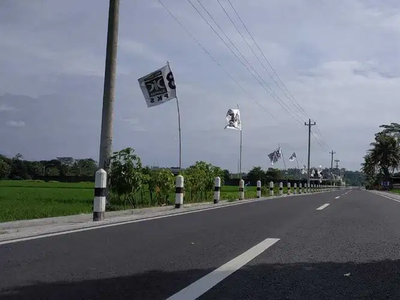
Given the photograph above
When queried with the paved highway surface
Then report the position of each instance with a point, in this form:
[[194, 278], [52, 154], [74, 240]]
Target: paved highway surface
[[289, 248]]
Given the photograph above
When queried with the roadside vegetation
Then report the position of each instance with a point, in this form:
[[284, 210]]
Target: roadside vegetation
[[382, 160], [35, 189]]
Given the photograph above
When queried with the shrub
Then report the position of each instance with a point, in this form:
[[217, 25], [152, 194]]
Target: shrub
[[161, 182], [126, 177]]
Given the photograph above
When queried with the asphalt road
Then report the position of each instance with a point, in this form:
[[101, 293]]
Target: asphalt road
[[275, 249]]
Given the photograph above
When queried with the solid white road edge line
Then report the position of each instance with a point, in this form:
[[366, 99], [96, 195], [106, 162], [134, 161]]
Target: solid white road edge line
[[323, 206], [385, 196], [94, 227], [205, 283]]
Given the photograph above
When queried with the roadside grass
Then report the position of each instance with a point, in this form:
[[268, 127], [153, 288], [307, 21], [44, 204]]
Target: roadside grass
[[396, 191], [21, 200], [32, 199]]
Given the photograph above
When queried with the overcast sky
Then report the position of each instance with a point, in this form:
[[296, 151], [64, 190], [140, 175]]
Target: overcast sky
[[339, 60]]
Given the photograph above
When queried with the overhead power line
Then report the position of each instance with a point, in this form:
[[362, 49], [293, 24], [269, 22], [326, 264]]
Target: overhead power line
[[215, 60], [295, 103], [259, 79], [240, 57], [286, 91], [266, 59]]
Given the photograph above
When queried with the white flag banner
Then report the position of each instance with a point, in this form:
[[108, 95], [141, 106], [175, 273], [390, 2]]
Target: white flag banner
[[275, 156], [304, 170], [293, 157], [319, 170], [233, 119], [158, 87]]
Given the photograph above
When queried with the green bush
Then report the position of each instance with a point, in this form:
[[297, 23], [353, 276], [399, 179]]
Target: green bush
[[161, 182], [199, 181], [126, 176]]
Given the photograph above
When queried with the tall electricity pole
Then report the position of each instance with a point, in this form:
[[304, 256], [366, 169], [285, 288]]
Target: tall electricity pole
[[106, 136], [332, 153], [337, 165], [309, 124]]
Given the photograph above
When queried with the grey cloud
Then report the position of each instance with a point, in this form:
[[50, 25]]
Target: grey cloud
[[53, 62], [15, 123], [4, 108]]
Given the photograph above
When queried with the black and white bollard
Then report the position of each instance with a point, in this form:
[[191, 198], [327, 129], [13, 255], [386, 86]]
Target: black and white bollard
[[217, 190], [179, 185], [295, 188], [288, 188], [241, 189], [258, 188], [300, 185], [100, 193], [280, 188], [271, 188]]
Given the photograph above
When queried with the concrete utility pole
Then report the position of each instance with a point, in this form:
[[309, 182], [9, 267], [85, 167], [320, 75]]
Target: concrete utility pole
[[309, 124], [109, 87], [332, 153]]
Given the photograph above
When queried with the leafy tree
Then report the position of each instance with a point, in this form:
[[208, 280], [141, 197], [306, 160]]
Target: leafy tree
[[256, 173], [4, 169], [226, 175], [19, 169], [199, 179], [83, 167], [126, 177], [162, 182], [66, 160], [273, 174], [354, 177], [18, 156]]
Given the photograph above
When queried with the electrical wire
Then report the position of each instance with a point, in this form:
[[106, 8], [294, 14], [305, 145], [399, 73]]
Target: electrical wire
[[293, 100], [297, 105], [266, 59], [260, 80], [319, 143], [295, 116], [215, 60]]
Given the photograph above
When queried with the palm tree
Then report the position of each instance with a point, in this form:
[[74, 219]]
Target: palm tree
[[384, 154], [368, 167], [392, 129]]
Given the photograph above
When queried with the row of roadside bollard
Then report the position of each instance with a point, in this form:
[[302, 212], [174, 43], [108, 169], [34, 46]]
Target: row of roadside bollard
[[311, 188], [100, 191]]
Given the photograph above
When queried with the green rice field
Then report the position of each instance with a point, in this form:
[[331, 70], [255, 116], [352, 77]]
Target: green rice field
[[21, 200]]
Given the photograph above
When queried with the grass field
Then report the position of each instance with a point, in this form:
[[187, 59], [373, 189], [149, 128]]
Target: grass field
[[20, 200]]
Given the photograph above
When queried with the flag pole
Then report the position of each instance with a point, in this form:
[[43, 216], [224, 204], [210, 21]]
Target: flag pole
[[179, 127], [241, 144], [180, 134], [284, 163], [298, 168]]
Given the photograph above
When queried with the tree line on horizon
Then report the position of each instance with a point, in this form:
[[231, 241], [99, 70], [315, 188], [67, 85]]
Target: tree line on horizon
[[62, 168]]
